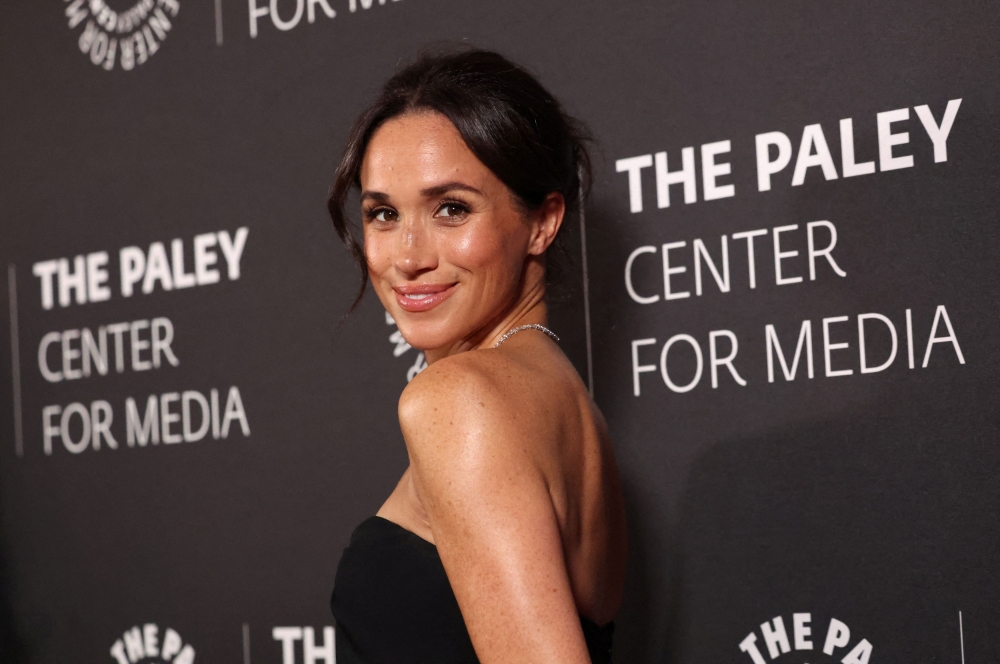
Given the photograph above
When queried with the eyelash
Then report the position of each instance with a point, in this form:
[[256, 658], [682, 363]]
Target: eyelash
[[371, 214], [453, 203]]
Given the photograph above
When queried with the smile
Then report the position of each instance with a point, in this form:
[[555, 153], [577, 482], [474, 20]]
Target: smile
[[422, 297]]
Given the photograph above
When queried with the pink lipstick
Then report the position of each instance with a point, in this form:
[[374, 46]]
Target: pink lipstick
[[422, 297]]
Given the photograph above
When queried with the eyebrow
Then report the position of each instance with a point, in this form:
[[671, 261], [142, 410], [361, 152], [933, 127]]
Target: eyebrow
[[438, 190], [429, 192], [375, 195]]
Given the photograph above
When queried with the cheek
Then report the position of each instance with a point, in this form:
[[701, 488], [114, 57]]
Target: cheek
[[377, 252], [473, 250], [489, 254]]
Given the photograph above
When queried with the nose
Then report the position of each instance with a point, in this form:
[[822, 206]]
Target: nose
[[415, 251]]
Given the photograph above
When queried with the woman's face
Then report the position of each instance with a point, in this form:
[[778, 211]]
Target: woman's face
[[445, 239]]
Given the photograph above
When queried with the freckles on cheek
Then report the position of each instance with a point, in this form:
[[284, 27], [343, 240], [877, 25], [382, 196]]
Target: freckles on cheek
[[490, 261], [379, 269], [377, 253], [476, 250]]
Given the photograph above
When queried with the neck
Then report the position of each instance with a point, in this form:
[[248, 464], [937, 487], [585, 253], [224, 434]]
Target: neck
[[528, 308]]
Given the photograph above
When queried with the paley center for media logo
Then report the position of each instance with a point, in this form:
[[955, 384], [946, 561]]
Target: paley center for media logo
[[149, 644], [125, 37], [776, 640]]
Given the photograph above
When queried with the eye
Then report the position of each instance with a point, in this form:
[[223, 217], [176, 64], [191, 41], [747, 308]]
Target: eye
[[452, 209], [383, 214]]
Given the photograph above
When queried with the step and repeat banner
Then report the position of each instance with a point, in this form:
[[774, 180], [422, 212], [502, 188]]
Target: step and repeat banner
[[784, 296]]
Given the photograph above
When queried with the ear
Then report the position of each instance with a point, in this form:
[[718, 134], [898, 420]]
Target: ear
[[546, 223]]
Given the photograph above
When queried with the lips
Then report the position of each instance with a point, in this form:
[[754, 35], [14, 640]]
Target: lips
[[422, 297]]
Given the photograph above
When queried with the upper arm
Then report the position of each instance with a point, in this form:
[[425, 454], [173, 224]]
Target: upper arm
[[493, 521]]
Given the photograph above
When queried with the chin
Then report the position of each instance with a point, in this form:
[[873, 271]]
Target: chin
[[426, 334]]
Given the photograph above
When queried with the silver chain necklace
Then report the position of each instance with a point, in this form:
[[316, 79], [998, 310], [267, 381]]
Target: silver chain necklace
[[532, 326]]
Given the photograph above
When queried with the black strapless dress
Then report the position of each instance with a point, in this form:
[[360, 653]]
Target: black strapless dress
[[393, 604]]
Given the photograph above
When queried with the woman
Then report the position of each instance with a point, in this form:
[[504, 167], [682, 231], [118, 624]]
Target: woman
[[504, 541]]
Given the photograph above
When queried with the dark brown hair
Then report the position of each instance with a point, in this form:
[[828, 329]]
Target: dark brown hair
[[513, 125]]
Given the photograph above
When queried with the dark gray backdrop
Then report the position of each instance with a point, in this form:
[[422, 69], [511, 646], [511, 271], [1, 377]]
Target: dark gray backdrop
[[869, 499]]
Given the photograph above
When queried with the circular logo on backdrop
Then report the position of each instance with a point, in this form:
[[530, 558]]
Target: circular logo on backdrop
[[149, 644], [124, 35]]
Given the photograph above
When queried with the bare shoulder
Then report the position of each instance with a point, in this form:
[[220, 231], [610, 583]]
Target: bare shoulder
[[452, 376], [462, 399]]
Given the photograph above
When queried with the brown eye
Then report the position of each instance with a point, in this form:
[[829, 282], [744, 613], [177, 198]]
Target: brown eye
[[385, 214], [452, 210]]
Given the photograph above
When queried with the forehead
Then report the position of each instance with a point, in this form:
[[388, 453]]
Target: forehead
[[419, 148]]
